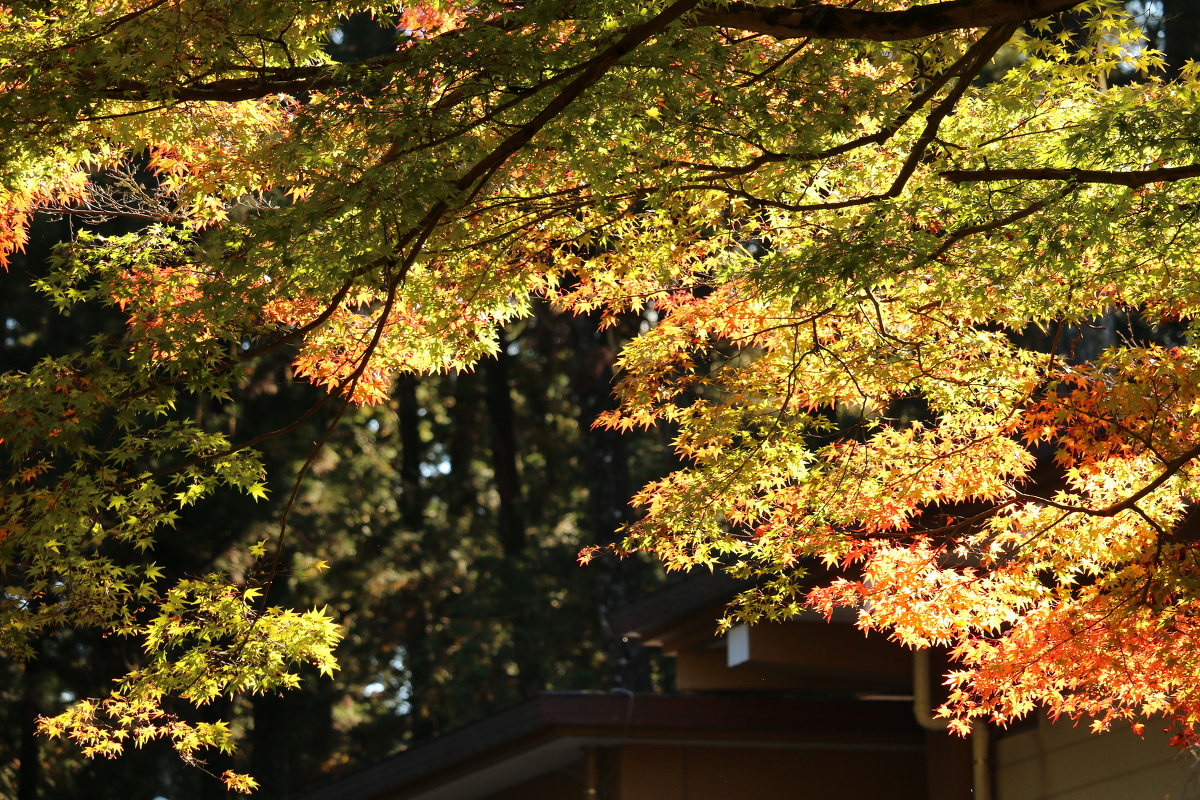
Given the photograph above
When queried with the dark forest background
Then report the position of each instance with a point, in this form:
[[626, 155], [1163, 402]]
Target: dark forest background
[[451, 518]]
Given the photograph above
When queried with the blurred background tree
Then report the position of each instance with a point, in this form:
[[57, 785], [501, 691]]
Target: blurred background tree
[[450, 517]]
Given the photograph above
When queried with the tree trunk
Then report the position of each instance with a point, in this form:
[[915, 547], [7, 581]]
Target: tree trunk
[[412, 452], [609, 491], [29, 776], [504, 451], [463, 440]]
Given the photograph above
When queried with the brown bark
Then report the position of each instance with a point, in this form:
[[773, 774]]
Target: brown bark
[[820, 21], [816, 21], [504, 451], [412, 452], [1131, 178], [29, 774]]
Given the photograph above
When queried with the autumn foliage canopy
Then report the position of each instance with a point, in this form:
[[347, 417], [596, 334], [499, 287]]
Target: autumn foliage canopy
[[880, 242]]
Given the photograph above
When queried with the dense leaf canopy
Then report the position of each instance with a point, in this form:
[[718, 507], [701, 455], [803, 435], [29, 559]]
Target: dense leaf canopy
[[921, 277]]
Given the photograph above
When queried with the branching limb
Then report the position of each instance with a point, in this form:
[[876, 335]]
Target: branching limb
[[820, 21], [1171, 468], [1130, 178]]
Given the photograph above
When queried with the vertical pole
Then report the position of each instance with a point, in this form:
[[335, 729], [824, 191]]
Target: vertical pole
[[591, 773], [922, 697], [981, 760]]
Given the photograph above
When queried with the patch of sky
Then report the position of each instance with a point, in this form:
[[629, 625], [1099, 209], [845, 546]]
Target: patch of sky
[[1148, 14], [396, 683], [438, 463]]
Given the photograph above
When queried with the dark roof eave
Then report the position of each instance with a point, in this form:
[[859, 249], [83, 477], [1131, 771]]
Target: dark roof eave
[[658, 610], [620, 716]]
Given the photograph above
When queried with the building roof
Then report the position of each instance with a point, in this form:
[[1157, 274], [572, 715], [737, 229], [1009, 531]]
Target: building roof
[[550, 730], [672, 604]]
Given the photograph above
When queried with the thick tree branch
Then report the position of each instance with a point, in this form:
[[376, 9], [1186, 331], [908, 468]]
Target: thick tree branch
[[816, 21], [268, 81], [820, 21], [1132, 178], [230, 90]]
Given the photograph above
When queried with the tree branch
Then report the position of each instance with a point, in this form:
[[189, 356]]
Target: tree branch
[[228, 90], [816, 21], [986, 227], [1132, 178], [268, 81], [821, 21], [965, 69], [1171, 468]]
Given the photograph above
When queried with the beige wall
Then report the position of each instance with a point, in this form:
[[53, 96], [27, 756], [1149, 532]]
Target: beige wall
[[1065, 762]]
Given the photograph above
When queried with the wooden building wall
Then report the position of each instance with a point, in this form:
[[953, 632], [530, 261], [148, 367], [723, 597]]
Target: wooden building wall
[[1063, 761], [706, 772], [666, 772]]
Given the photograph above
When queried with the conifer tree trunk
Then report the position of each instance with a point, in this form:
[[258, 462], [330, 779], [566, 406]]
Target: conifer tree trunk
[[29, 777], [412, 452], [504, 451], [269, 742], [609, 489], [463, 439]]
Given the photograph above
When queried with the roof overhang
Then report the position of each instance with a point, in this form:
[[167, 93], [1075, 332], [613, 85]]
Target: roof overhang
[[551, 730]]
